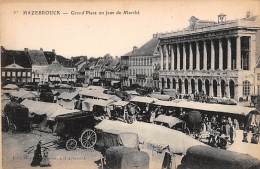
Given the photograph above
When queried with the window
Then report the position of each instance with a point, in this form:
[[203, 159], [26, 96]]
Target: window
[[246, 88], [19, 74], [258, 89], [13, 73], [28, 73], [258, 76], [3, 74], [24, 74], [8, 74]]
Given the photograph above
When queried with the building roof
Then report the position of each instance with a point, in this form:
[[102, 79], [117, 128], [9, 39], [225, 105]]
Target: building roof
[[198, 26], [9, 57], [148, 49], [14, 66], [37, 57], [57, 68]]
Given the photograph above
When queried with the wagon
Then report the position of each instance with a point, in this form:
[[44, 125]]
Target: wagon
[[16, 117], [76, 128], [126, 158], [204, 157], [113, 138]]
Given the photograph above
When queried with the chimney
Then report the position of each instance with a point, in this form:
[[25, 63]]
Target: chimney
[[41, 49], [248, 14], [155, 35], [134, 49], [25, 49], [53, 51]]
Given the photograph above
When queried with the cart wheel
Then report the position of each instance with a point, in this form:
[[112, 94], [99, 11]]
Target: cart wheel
[[88, 138], [71, 144]]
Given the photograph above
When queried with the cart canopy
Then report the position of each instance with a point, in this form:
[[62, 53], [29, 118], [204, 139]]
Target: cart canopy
[[87, 104], [153, 134], [198, 157], [126, 158], [171, 121]]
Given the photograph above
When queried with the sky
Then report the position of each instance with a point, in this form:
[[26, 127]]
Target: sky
[[96, 35]]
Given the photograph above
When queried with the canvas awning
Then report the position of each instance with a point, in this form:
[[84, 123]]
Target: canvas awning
[[143, 99], [171, 121], [210, 107], [120, 103], [114, 82], [96, 80], [68, 95], [51, 110], [11, 87], [23, 94], [160, 97], [152, 134]]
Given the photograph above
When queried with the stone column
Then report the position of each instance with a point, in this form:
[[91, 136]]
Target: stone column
[[212, 55], [172, 54], [219, 90], [178, 57], [184, 56], [189, 86], [161, 53], [191, 56], [196, 85], [204, 87], [167, 57], [229, 53], [197, 56], [220, 55], [171, 86], [238, 52], [205, 55], [227, 89], [182, 86]]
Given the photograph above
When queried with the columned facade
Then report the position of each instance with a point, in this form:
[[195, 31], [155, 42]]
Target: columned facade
[[218, 63]]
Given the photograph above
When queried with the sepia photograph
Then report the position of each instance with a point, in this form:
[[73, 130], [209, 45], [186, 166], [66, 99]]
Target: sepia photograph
[[124, 84]]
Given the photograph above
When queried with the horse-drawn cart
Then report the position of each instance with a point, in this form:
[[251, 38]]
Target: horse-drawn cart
[[76, 128]]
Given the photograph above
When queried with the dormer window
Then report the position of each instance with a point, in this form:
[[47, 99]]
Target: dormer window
[[221, 18]]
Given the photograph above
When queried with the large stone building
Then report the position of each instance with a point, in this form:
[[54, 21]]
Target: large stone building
[[217, 58], [142, 64]]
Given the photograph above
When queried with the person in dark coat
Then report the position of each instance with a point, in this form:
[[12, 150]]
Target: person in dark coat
[[37, 157]]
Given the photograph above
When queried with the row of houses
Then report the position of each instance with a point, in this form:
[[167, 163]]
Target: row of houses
[[23, 66]]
